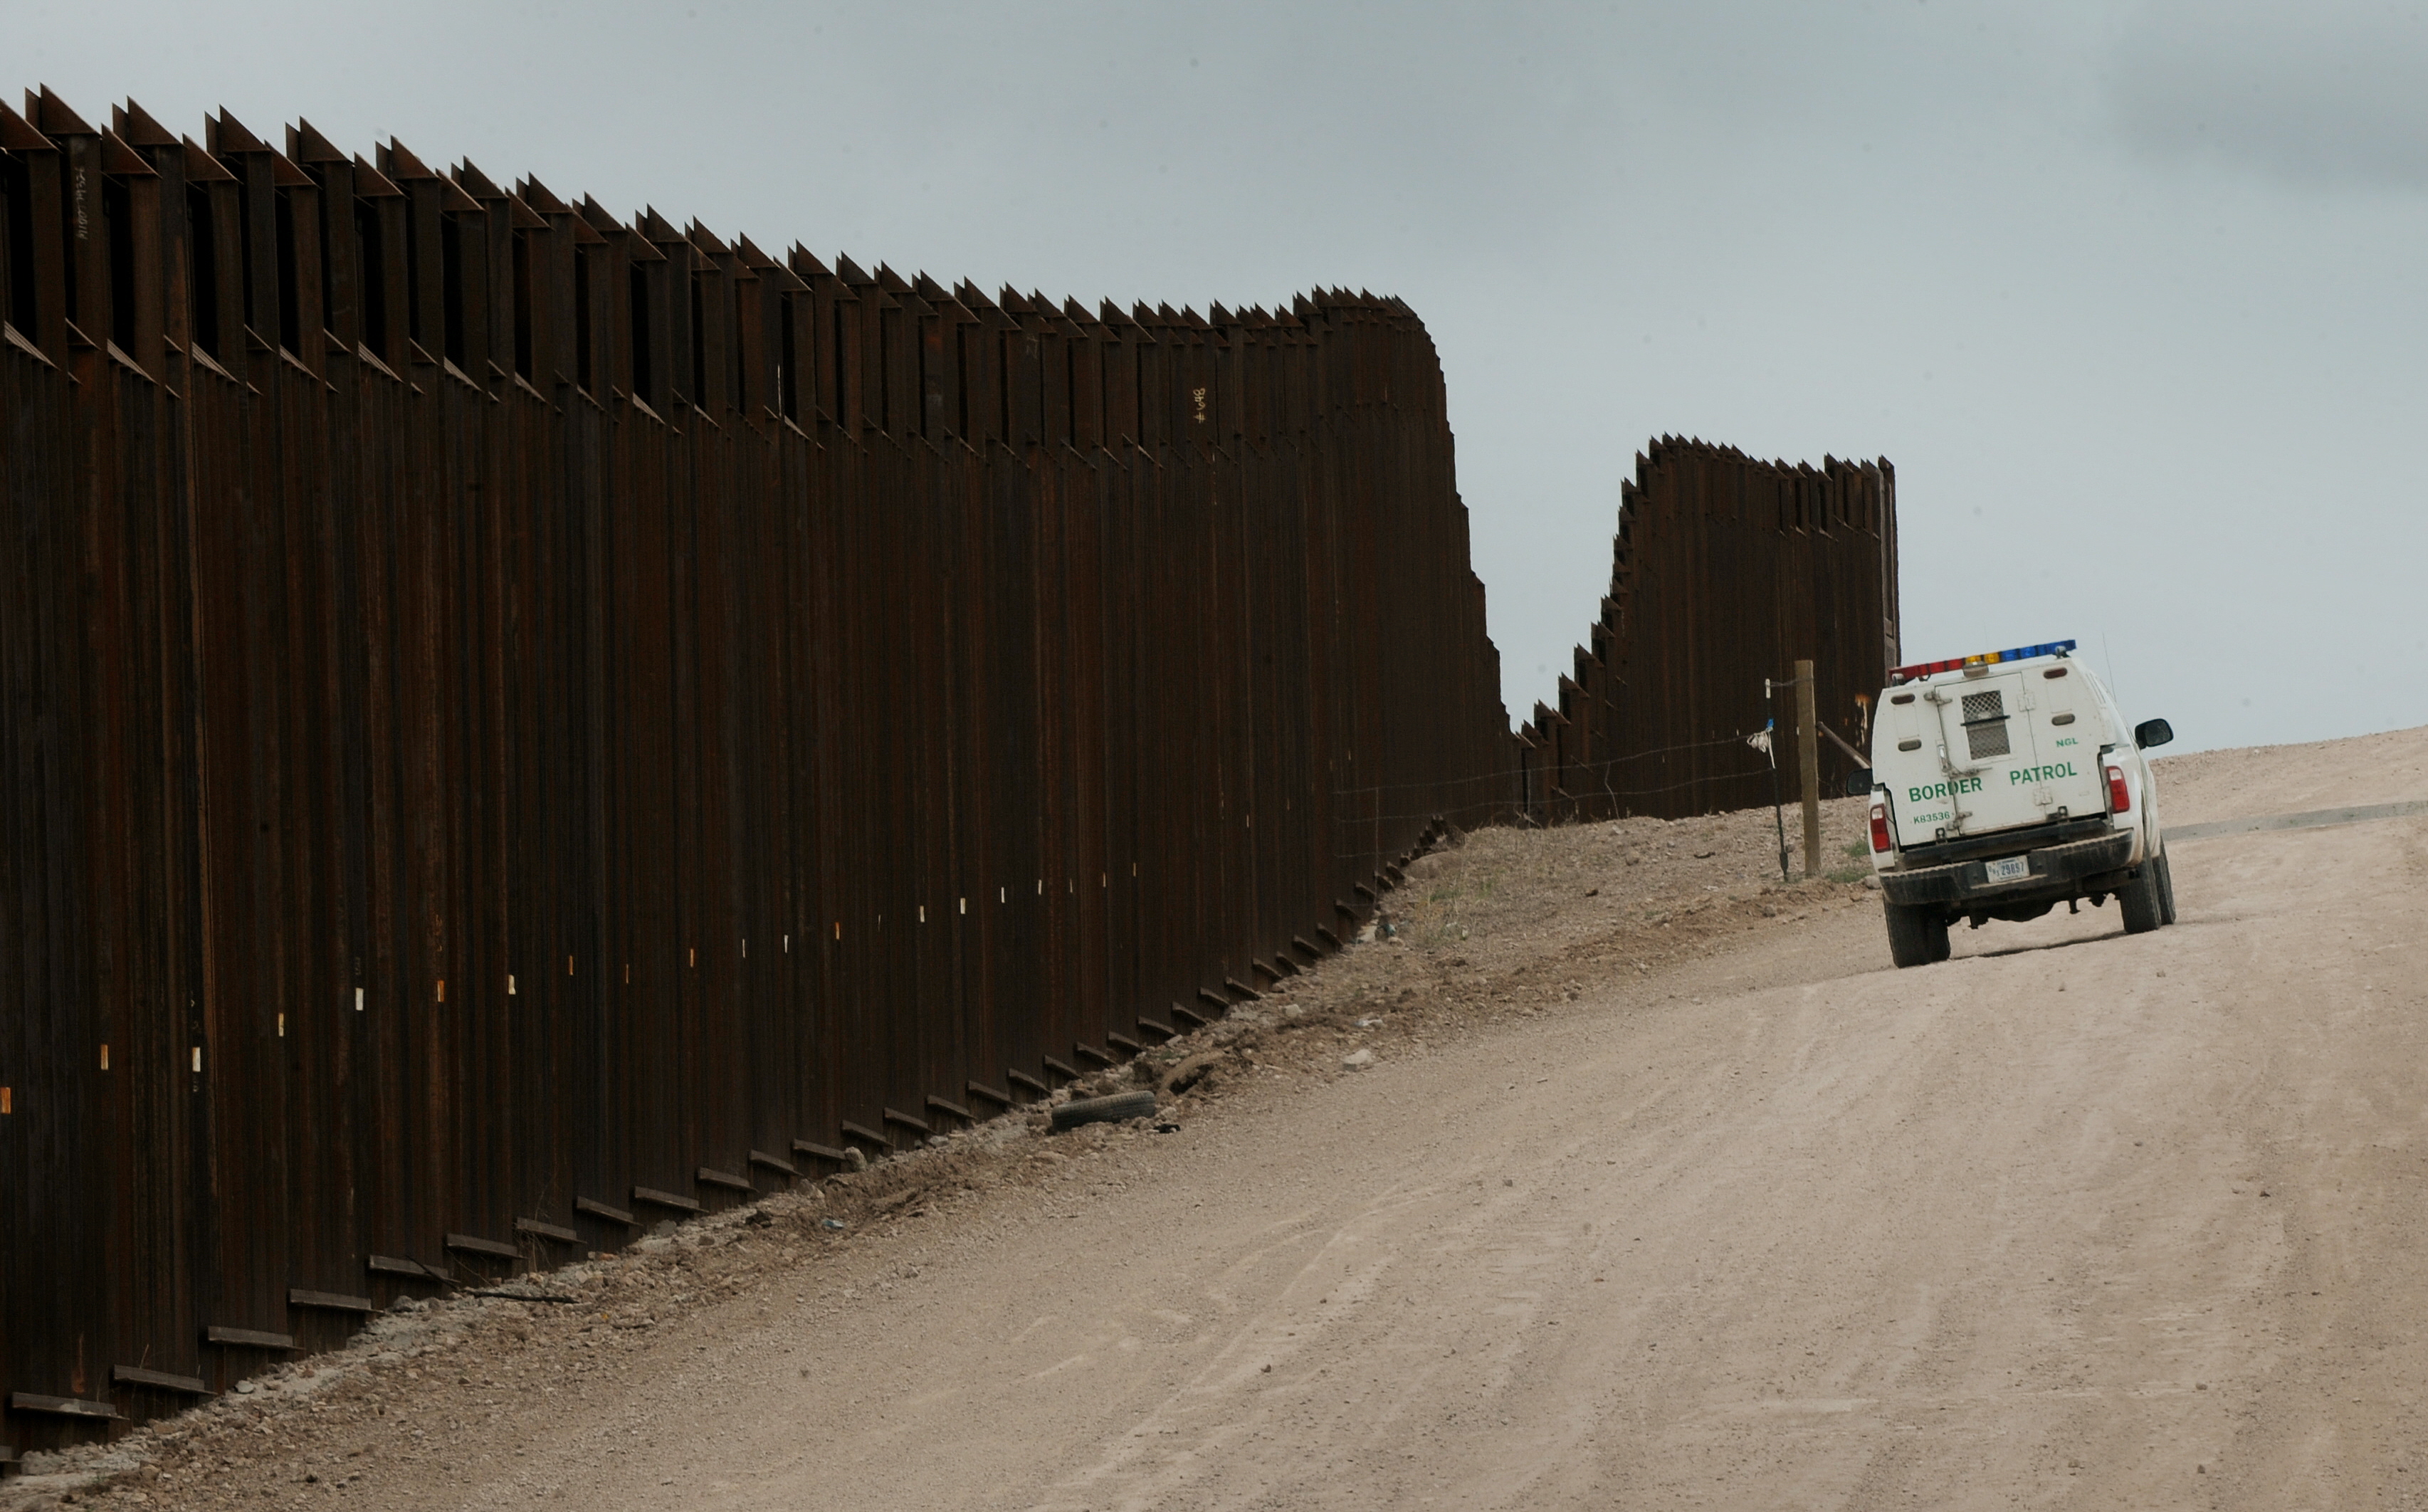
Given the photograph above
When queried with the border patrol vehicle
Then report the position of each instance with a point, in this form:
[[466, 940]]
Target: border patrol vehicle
[[2004, 784]]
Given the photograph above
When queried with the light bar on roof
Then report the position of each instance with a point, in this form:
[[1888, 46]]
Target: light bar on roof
[[1907, 674]]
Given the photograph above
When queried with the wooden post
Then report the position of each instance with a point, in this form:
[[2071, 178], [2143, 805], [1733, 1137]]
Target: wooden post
[[1808, 761]]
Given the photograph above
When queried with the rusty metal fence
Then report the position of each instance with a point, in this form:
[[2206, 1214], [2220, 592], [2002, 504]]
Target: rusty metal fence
[[1724, 572], [517, 724]]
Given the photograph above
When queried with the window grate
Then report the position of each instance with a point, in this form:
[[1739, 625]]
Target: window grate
[[1985, 725]]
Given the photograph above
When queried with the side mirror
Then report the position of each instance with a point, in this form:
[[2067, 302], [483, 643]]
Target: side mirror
[[1859, 782], [2151, 732]]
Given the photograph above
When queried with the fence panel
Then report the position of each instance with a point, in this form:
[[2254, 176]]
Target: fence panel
[[1725, 571]]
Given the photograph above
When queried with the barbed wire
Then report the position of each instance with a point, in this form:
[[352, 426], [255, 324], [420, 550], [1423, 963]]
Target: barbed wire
[[1571, 766]]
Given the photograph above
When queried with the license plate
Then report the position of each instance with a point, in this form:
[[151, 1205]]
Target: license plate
[[2011, 870]]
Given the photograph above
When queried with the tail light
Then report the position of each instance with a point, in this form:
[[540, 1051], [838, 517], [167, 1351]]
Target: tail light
[[2120, 798], [1881, 828]]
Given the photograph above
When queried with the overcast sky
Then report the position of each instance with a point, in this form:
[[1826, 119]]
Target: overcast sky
[[2135, 296]]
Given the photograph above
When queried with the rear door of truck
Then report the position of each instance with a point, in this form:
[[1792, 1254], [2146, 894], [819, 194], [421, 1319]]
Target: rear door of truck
[[2067, 732], [1990, 758]]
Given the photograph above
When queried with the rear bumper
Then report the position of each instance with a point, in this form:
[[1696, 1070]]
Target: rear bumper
[[2061, 870]]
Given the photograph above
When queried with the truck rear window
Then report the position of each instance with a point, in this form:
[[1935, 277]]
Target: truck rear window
[[1985, 725]]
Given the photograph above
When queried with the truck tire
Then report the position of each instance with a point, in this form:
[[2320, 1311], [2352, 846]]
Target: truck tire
[[2166, 888], [1112, 1110], [1917, 936], [2139, 900]]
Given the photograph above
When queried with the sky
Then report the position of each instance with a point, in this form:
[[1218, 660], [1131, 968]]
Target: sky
[[2135, 296]]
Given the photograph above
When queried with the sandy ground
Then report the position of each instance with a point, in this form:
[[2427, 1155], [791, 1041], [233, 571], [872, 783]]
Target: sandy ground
[[1660, 1191]]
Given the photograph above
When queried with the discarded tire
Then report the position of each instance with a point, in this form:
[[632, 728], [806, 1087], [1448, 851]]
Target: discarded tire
[[1112, 1110]]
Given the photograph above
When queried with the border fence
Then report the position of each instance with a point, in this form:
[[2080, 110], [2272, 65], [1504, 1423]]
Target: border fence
[[1724, 573], [516, 725], [519, 725]]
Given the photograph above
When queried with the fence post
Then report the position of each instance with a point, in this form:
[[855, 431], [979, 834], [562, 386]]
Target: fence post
[[1808, 761]]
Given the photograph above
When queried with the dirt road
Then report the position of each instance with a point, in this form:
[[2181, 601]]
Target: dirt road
[[2073, 1219]]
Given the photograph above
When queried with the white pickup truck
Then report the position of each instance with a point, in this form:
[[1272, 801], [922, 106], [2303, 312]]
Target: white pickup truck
[[2004, 784]]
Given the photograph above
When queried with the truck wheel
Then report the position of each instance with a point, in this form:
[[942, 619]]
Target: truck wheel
[[2166, 888], [2139, 900], [1917, 936]]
